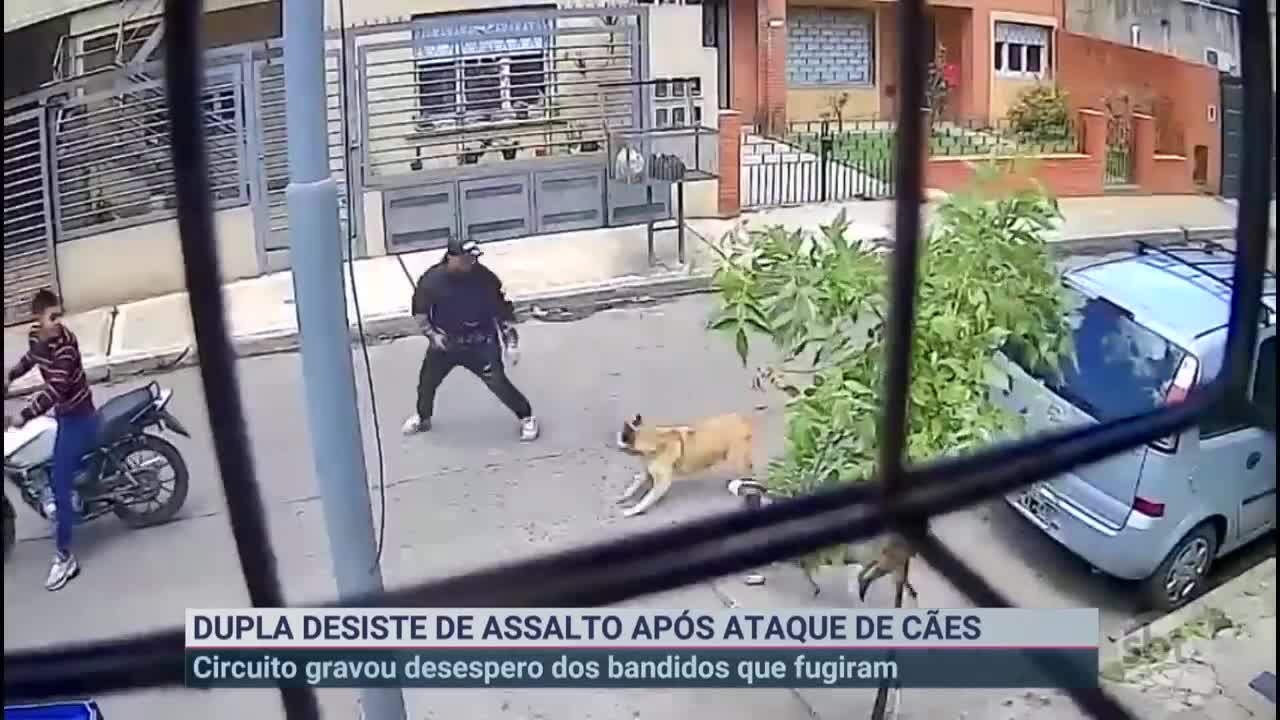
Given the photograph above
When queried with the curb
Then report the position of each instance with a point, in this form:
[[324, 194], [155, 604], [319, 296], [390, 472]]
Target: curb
[[1164, 626], [381, 329], [590, 297]]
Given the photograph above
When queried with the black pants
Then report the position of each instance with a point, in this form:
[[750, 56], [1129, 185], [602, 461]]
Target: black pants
[[484, 360]]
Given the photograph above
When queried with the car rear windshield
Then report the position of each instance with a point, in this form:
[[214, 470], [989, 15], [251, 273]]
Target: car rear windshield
[[1118, 368]]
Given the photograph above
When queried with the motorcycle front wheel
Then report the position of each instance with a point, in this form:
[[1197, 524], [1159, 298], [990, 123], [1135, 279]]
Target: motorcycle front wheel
[[159, 466]]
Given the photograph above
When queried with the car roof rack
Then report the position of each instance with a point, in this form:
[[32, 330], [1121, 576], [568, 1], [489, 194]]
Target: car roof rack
[[1201, 267]]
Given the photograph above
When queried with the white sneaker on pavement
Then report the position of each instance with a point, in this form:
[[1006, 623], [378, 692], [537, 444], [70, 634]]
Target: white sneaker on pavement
[[529, 429], [414, 424], [63, 570]]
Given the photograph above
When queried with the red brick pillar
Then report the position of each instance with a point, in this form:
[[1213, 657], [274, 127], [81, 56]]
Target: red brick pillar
[[730, 163], [1144, 150], [1093, 132], [772, 69]]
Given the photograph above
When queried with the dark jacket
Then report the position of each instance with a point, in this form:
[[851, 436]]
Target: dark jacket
[[466, 307], [66, 389]]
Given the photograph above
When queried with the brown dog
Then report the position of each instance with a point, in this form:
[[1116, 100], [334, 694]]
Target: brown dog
[[677, 451], [892, 560]]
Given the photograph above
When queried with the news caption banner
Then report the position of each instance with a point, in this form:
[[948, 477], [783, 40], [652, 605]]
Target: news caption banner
[[638, 649], [531, 648]]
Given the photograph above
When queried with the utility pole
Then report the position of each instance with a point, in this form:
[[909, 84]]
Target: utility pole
[[337, 447]]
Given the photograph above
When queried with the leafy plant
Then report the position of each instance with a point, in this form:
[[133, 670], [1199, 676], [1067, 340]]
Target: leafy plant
[[986, 279], [836, 103], [1041, 113]]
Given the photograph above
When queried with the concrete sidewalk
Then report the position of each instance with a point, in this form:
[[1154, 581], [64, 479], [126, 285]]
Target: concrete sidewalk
[[567, 270], [1204, 655]]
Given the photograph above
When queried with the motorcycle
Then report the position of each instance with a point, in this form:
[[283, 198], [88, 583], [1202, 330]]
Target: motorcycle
[[121, 474]]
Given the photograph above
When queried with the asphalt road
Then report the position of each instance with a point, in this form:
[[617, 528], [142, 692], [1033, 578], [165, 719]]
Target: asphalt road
[[468, 494]]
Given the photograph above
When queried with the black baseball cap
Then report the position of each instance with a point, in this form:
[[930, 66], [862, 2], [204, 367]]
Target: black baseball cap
[[458, 247]]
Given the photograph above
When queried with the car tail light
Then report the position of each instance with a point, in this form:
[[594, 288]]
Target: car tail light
[[1150, 508], [1183, 381]]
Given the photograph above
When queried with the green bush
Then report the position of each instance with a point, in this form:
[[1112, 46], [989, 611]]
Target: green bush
[[1041, 114], [985, 278]]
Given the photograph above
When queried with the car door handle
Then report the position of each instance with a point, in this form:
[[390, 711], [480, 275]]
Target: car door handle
[[1254, 459]]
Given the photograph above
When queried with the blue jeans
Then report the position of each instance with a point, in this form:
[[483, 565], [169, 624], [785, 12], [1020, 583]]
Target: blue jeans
[[75, 435]]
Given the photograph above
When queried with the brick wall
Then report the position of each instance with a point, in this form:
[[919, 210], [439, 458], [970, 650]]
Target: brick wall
[[1176, 93], [1064, 175], [829, 46], [772, 78], [728, 200]]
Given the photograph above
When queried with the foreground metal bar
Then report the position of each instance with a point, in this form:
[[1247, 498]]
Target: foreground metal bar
[[184, 67], [896, 392], [1255, 195]]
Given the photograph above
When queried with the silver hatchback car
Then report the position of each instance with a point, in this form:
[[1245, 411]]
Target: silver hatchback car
[[1148, 328]]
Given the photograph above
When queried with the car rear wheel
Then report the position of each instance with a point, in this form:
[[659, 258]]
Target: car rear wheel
[[1184, 574]]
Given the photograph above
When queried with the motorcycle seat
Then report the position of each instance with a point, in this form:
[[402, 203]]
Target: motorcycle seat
[[116, 415]]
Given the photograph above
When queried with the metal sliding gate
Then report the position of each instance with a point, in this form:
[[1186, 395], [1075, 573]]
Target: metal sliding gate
[[493, 126], [28, 225], [1233, 140], [269, 140], [95, 157], [111, 157]]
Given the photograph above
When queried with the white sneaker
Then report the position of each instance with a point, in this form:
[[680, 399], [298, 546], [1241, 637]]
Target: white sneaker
[[529, 429], [414, 424], [62, 571]]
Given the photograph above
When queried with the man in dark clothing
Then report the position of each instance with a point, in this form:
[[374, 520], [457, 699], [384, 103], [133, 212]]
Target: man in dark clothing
[[461, 308], [56, 352]]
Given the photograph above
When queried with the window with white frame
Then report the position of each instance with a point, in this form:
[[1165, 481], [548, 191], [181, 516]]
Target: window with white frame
[[1021, 50], [482, 72]]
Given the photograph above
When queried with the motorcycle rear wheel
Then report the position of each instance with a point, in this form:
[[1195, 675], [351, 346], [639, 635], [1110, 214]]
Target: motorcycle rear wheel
[[142, 515]]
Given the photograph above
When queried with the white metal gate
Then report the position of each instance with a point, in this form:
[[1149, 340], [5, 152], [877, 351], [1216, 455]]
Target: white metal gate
[[29, 262], [268, 134]]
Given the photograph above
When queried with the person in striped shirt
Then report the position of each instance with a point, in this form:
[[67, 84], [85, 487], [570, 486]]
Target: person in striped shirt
[[54, 350]]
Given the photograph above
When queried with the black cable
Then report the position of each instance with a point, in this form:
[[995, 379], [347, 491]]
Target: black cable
[[355, 288], [184, 69]]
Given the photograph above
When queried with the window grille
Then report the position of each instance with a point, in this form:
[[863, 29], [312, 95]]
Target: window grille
[[903, 501]]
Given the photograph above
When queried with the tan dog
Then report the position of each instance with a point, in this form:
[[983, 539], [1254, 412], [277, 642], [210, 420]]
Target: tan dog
[[677, 451]]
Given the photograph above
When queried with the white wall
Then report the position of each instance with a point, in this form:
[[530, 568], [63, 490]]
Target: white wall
[[675, 50], [146, 260]]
